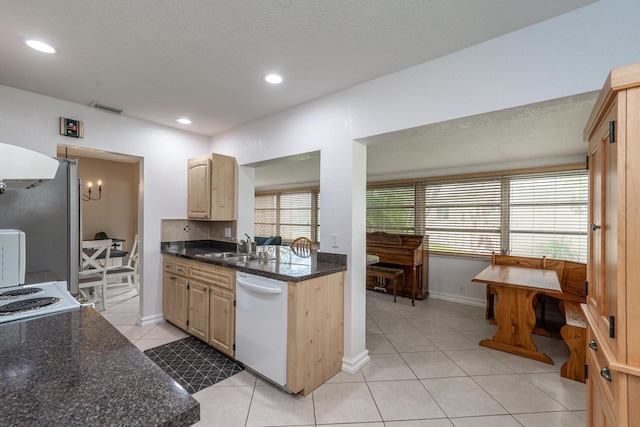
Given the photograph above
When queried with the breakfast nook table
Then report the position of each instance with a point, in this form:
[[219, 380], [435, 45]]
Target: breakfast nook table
[[514, 313]]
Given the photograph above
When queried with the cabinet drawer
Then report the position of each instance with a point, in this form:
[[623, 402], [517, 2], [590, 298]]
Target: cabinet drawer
[[212, 275], [175, 267], [601, 365]]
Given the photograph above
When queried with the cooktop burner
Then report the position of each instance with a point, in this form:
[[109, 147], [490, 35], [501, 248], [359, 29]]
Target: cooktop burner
[[26, 301], [18, 293], [27, 304]]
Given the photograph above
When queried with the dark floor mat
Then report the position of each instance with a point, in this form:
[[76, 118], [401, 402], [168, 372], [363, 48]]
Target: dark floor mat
[[193, 364]]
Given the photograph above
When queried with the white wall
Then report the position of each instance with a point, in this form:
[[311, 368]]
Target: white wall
[[564, 56], [31, 121]]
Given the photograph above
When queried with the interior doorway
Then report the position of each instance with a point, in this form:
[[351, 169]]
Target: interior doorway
[[111, 198]]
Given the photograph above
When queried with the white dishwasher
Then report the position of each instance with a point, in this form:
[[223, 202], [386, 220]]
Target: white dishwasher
[[261, 326]]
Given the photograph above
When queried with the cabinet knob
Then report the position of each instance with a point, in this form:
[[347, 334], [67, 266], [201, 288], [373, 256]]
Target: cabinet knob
[[595, 227], [173, 277], [593, 345], [604, 372]]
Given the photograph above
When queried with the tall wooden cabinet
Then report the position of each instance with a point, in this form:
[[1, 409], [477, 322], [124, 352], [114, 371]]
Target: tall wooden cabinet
[[613, 271], [211, 187]]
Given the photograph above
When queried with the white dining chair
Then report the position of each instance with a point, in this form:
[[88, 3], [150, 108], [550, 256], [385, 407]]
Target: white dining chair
[[95, 258], [115, 274]]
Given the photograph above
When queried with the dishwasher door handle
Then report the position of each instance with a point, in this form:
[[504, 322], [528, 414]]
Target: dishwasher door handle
[[259, 289]]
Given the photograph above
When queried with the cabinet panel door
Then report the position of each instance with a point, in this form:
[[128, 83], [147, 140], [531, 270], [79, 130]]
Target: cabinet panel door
[[223, 178], [222, 314], [198, 310], [604, 211], [199, 188], [610, 230], [175, 299], [594, 264]]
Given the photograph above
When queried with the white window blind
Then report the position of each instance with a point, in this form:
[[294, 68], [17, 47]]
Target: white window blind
[[288, 214], [548, 215], [392, 209], [463, 216], [295, 215], [266, 215]]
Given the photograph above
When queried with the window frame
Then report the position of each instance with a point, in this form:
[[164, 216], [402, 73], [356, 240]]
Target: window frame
[[505, 178], [314, 213]]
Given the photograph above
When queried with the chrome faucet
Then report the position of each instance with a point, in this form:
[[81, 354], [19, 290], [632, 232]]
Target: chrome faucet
[[248, 245]]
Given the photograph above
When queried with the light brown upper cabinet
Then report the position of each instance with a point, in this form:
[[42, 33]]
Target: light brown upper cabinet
[[211, 187]]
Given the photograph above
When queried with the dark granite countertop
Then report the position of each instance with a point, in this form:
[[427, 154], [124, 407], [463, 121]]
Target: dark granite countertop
[[284, 264], [76, 369]]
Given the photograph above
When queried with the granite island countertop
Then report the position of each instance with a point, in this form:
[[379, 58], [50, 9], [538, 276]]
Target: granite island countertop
[[283, 263], [75, 369]]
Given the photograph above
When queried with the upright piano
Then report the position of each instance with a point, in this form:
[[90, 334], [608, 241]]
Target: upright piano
[[407, 251]]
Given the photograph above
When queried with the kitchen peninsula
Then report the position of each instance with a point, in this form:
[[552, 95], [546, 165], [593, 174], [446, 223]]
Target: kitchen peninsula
[[282, 264], [199, 296]]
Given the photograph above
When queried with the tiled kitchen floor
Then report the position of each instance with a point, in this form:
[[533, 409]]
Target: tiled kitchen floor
[[426, 370]]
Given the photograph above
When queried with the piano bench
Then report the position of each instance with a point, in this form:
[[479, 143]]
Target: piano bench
[[394, 275]]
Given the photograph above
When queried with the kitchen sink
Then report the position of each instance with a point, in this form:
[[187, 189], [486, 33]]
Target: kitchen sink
[[219, 255], [244, 258], [233, 257]]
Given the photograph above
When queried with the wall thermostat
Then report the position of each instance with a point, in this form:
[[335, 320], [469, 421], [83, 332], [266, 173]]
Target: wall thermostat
[[71, 127]]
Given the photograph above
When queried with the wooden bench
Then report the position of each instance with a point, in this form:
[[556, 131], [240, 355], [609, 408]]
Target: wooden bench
[[395, 277], [574, 334]]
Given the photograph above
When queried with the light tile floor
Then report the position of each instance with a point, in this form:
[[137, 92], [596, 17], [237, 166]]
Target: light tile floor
[[426, 370]]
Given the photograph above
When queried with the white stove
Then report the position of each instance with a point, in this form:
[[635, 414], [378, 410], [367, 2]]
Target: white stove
[[20, 302]]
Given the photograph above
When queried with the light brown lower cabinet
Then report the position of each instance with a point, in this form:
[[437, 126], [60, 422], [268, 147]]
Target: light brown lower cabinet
[[315, 332], [199, 298], [600, 396], [201, 302], [198, 325], [175, 294], [222, 325]]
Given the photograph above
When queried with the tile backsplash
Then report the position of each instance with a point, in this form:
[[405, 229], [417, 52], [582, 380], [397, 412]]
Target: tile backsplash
[[182, 229]]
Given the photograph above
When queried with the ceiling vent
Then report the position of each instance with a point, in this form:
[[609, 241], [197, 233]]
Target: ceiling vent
[[106, 107]]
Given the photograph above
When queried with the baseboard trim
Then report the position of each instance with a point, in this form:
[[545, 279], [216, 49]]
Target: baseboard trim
[[459, 299], [353, 365], [149, 320]]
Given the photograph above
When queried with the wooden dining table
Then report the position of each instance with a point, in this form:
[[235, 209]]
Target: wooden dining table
[[514, 312]]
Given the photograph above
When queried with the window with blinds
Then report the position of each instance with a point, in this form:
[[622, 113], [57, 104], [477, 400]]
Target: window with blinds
[[391, 209], [547, 215], [288, 214], [266, 215], [519, 214], [463, 216]]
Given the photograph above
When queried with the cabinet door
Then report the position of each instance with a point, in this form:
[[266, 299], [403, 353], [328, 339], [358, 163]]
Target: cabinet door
[[175, 299], [603, 234], [223, 178], [222, 315], [198, 310], [199, 188]]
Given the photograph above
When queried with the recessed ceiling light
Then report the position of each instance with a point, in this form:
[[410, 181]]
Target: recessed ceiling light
[[40, 46], [184, 121], [274, 79]]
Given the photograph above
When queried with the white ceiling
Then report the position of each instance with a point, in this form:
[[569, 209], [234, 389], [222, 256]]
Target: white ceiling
[[501, 140], [163, 59]]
